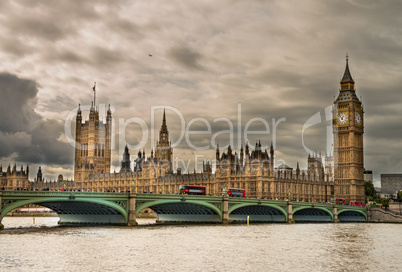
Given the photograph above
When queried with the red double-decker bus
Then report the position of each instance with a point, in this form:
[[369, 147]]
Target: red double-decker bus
[[340, 201], [192, 190], [235, 192], [356, 203]]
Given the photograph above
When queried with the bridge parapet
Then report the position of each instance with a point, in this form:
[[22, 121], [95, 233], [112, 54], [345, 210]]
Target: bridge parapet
[[123, 208]]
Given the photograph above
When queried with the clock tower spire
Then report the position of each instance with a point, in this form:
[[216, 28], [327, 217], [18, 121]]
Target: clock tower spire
[[164, 151], [348, 132]]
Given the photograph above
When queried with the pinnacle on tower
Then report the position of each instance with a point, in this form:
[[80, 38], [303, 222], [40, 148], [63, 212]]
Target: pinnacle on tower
[[164, 119], [347, 77]]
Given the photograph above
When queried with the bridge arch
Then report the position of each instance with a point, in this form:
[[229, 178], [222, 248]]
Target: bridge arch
[[190, 210], [108, 211], [263, 212], [351, 215], [312, 214]]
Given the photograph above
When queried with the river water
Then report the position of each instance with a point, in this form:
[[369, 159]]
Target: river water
[[44, 246]]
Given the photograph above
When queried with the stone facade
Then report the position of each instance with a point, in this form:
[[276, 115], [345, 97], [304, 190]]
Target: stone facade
[[257, 179], [252, 170], [348, 129], [12, 179], [93, 145]]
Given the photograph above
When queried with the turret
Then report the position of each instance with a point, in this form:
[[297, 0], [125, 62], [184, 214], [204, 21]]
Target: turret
[[241, 155], [92, 113], [109, 116], [39, 174], [217, 152], [272, 157], [79, 115], [126, 163], [347, 82]]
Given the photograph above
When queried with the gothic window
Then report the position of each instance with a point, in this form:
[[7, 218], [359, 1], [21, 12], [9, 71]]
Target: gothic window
[[252, 186]]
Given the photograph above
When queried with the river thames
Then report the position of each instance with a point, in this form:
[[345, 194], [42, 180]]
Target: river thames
[[44, 246]]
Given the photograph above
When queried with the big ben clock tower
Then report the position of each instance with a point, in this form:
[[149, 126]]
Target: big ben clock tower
[[348, 132]]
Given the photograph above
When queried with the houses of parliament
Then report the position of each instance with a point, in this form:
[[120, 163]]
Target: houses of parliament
[[250, 168]]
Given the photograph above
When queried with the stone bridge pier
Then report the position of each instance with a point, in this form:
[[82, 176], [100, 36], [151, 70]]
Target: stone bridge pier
[[131, 210], [225, 210], [290, 213], [335, 212]]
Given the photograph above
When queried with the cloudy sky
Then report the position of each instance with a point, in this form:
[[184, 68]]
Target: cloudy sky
[[223, 62]]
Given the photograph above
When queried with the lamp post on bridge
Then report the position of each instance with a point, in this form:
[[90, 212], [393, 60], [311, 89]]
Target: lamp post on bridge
[[225, 190], [335, 210]]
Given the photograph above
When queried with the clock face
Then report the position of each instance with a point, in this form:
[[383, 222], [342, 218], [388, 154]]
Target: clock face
[[342, 118], [358, 118]]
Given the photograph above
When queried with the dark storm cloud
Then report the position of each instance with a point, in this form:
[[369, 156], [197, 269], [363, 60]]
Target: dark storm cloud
[[18, 98], [187, 57], [45, 147], [24, 133]]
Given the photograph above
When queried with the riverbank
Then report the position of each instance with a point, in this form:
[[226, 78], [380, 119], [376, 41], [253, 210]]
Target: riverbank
[[377, 215]]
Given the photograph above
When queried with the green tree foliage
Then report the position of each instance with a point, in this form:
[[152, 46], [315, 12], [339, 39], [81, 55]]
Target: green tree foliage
[[370, 191]]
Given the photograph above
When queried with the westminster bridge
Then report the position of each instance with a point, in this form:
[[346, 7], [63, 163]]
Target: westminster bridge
[[123, 208]]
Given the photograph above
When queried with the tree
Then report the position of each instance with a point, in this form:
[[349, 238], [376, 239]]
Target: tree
[[399, 196], [369, 189], [385, 202]]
